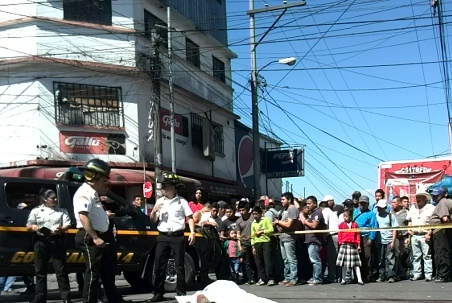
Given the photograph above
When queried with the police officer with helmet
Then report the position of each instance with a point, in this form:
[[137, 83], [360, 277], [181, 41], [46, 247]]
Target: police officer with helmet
[[94, 237], [172, 211], [49, 222]]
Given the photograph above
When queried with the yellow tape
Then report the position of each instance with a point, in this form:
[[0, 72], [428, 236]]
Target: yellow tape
[[118, 232]]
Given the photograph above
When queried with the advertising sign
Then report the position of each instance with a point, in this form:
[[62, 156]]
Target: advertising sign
[[92, 143], [284, 163], [180, 122], [404, 178]]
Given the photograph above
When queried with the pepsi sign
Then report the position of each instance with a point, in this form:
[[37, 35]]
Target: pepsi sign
[[284, 163]]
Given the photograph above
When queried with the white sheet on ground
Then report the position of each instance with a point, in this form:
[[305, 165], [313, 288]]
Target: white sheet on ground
[[223, 291]]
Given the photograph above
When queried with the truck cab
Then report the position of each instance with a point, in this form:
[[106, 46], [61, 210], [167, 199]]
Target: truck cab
[[135, 235]]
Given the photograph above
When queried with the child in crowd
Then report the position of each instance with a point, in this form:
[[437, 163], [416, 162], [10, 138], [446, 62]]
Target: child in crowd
[[349, 242], [235, 255]]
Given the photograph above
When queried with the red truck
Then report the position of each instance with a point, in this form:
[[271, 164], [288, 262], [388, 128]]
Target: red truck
[[403, 178]]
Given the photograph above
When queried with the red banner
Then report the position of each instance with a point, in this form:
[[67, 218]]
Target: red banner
[[179, 124], [83, 143]]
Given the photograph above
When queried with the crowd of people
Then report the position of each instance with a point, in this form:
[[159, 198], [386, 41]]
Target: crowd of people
[[320, 242]]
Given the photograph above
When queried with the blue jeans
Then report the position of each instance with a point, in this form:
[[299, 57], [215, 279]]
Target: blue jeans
[[6, 282], [314, 257], [290, 261], [234, 265]]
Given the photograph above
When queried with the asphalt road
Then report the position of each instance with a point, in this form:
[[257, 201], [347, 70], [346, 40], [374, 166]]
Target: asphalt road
[[404, 291]]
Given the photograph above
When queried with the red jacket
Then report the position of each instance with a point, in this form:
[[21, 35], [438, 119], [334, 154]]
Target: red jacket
[[348, 237]]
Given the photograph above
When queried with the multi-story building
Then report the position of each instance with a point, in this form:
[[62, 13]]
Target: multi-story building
[[77, 82]]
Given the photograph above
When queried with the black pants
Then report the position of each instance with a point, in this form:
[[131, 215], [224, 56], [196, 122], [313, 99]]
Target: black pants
[[264, 261], [166, 244], [248, 260], [442, 242], [100, 262], [45, 250], [366, 258]]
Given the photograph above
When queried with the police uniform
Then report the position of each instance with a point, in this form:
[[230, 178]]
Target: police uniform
[[172, 217], [97, 259], [50, 246]]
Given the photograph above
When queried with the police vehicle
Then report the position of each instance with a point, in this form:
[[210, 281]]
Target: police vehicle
[[135, 235]]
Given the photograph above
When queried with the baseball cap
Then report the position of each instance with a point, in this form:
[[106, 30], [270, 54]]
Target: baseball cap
[[244, 200], [382, 203], [348, 202], [364, 199], [22, 205], [356, 194], [438, 191], [269, 201], [222, 204], [327, 198]]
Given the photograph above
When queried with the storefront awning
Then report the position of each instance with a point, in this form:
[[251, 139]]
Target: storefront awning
[[118, 176]]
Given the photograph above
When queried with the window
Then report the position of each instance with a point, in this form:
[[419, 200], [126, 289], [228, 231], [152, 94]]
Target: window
[[197, 133], [196, 130], [25, 196], [151, 22], [79, 104], [218, 69], [192, 52], [219, 140], [92, 11]]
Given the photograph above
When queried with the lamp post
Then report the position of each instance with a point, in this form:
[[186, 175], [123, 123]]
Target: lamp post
[[254, 85], [255, 113]]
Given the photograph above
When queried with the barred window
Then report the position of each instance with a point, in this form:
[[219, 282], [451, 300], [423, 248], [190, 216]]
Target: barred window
[[79, 104], [196, 130], [218, 69], [151, 22], [192, 52], [197, 135], [219, 138], [92, 11]]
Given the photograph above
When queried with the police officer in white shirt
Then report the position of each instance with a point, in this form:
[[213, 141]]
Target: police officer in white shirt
[[49, 222], [94, 237], [172, 211]]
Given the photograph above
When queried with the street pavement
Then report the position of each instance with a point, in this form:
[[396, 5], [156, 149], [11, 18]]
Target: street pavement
[[404, 291]]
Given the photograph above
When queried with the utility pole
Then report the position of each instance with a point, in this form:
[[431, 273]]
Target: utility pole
[[155, 71], [254, 84], [171, 95]]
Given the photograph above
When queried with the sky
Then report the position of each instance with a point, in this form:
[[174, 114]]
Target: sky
[[368, 86]]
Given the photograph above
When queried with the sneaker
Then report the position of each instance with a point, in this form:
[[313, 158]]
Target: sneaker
[[250, 282], [291, 284], [315, 282], [416, 278], [360, 283], [379, 280], [310, 281], [283, 282], [428, 279], [271, 283], [391, 280], [260, 282], [9, 292]]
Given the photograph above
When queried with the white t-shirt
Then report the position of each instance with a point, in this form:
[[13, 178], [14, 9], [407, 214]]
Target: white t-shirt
[[87, 200], [331, 220], [172, 214]]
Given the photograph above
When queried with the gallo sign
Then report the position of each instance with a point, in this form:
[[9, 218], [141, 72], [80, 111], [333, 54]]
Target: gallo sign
[[92, 143], [284, 163], [180, 122]]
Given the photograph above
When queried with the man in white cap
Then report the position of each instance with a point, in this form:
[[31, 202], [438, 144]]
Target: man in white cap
[[419, 215], [386, 243]]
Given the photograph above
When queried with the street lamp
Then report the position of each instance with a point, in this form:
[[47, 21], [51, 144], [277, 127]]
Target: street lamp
[[255, 114], [255, 107]]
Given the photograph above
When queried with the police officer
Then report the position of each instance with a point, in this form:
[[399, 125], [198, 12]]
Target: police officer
[[94, 237], [49, 222], [172, 211]]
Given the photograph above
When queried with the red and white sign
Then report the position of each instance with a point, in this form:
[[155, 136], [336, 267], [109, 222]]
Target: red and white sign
[[404, 178], [147, 190], [83, 143], [165, 122]]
